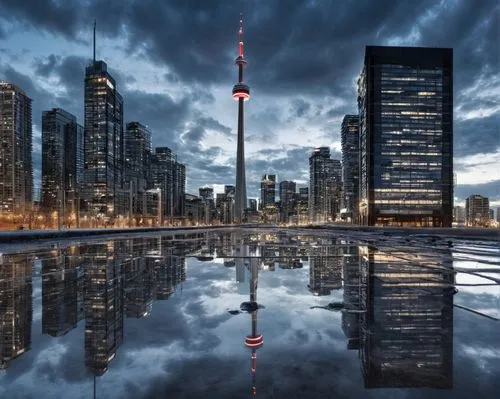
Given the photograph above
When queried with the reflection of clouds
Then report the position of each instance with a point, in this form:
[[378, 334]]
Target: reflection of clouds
[[190, 346]]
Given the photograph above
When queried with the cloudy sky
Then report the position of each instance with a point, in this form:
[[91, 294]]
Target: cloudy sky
[[174, 64]]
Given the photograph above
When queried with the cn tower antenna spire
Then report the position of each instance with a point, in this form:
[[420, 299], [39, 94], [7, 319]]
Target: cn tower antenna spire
[[240, 35]]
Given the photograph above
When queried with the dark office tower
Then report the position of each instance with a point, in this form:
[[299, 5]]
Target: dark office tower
[[241, 93], [61, 289], [405, 100], [179, 189], [230, 189], [104, 306], [208, 203], [406, 322], [137, 140], [103, 140], [252, 204], [477, 211], [163, 166], [16, 307], [61, 163], [324, 174], [350, 164], [287, 200], [303, 205], [16, 169], [325, 268], [268, 191], [206, 193]]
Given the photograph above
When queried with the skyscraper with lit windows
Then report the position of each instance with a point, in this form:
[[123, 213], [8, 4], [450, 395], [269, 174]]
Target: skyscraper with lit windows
[[16, 169], [350, 164], [103, 140], [405, 99]]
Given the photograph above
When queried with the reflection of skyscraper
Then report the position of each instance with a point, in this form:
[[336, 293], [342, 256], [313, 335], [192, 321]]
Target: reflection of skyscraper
[[62, 288], [406, 337], [351, 276], [103, 306], [137, 281], [325, 273], [169, 269], [16, 308]]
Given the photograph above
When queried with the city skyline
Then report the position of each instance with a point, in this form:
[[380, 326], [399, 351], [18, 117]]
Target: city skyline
[[300, 100]]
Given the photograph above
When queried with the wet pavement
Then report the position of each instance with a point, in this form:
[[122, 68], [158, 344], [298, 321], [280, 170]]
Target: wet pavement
[[242, 313]]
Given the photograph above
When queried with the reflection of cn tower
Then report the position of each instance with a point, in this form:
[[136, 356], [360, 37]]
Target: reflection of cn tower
[[241, 92], [255, 340]]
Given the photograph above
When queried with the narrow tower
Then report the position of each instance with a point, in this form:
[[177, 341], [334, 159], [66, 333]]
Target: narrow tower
[[241, 93], [255, 340]]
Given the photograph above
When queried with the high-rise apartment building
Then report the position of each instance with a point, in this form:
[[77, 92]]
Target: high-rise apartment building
[[137, 165], [268, 191], [324, 185], [459, 215], [170, 177], [287, 200], [350, 164], [16, 169], [62, 163], [405, 99], [477, 211], [103, 141]]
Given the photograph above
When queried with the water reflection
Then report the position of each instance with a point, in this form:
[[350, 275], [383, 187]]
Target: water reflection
[[15, 306], [396, 305], [399, 315]]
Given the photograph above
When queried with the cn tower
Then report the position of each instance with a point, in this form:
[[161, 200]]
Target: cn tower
[[241, 93]]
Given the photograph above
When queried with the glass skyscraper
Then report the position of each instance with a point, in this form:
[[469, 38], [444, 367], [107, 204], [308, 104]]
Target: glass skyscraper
[[62, 148], [405, 99], [350, 164], [103, 140], [324, 185], [16, 169]]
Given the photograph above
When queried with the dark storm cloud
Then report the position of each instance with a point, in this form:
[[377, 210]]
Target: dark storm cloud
[[478, 135], [61, 17], [299, 108], [490, 190], [293, 48]]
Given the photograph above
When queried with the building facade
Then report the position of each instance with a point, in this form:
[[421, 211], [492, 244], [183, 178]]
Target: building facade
[[287, 200], [350, 165], [477, 211], [62, 164], [103, 141], [16, 169], [137, 164], [324, 186], [268, 191], [405, 101]]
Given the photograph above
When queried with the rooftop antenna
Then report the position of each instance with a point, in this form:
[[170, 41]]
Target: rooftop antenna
[[240, 35], [94, 38]]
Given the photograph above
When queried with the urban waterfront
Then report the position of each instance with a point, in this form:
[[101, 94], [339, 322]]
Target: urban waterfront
[[231, 313]]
